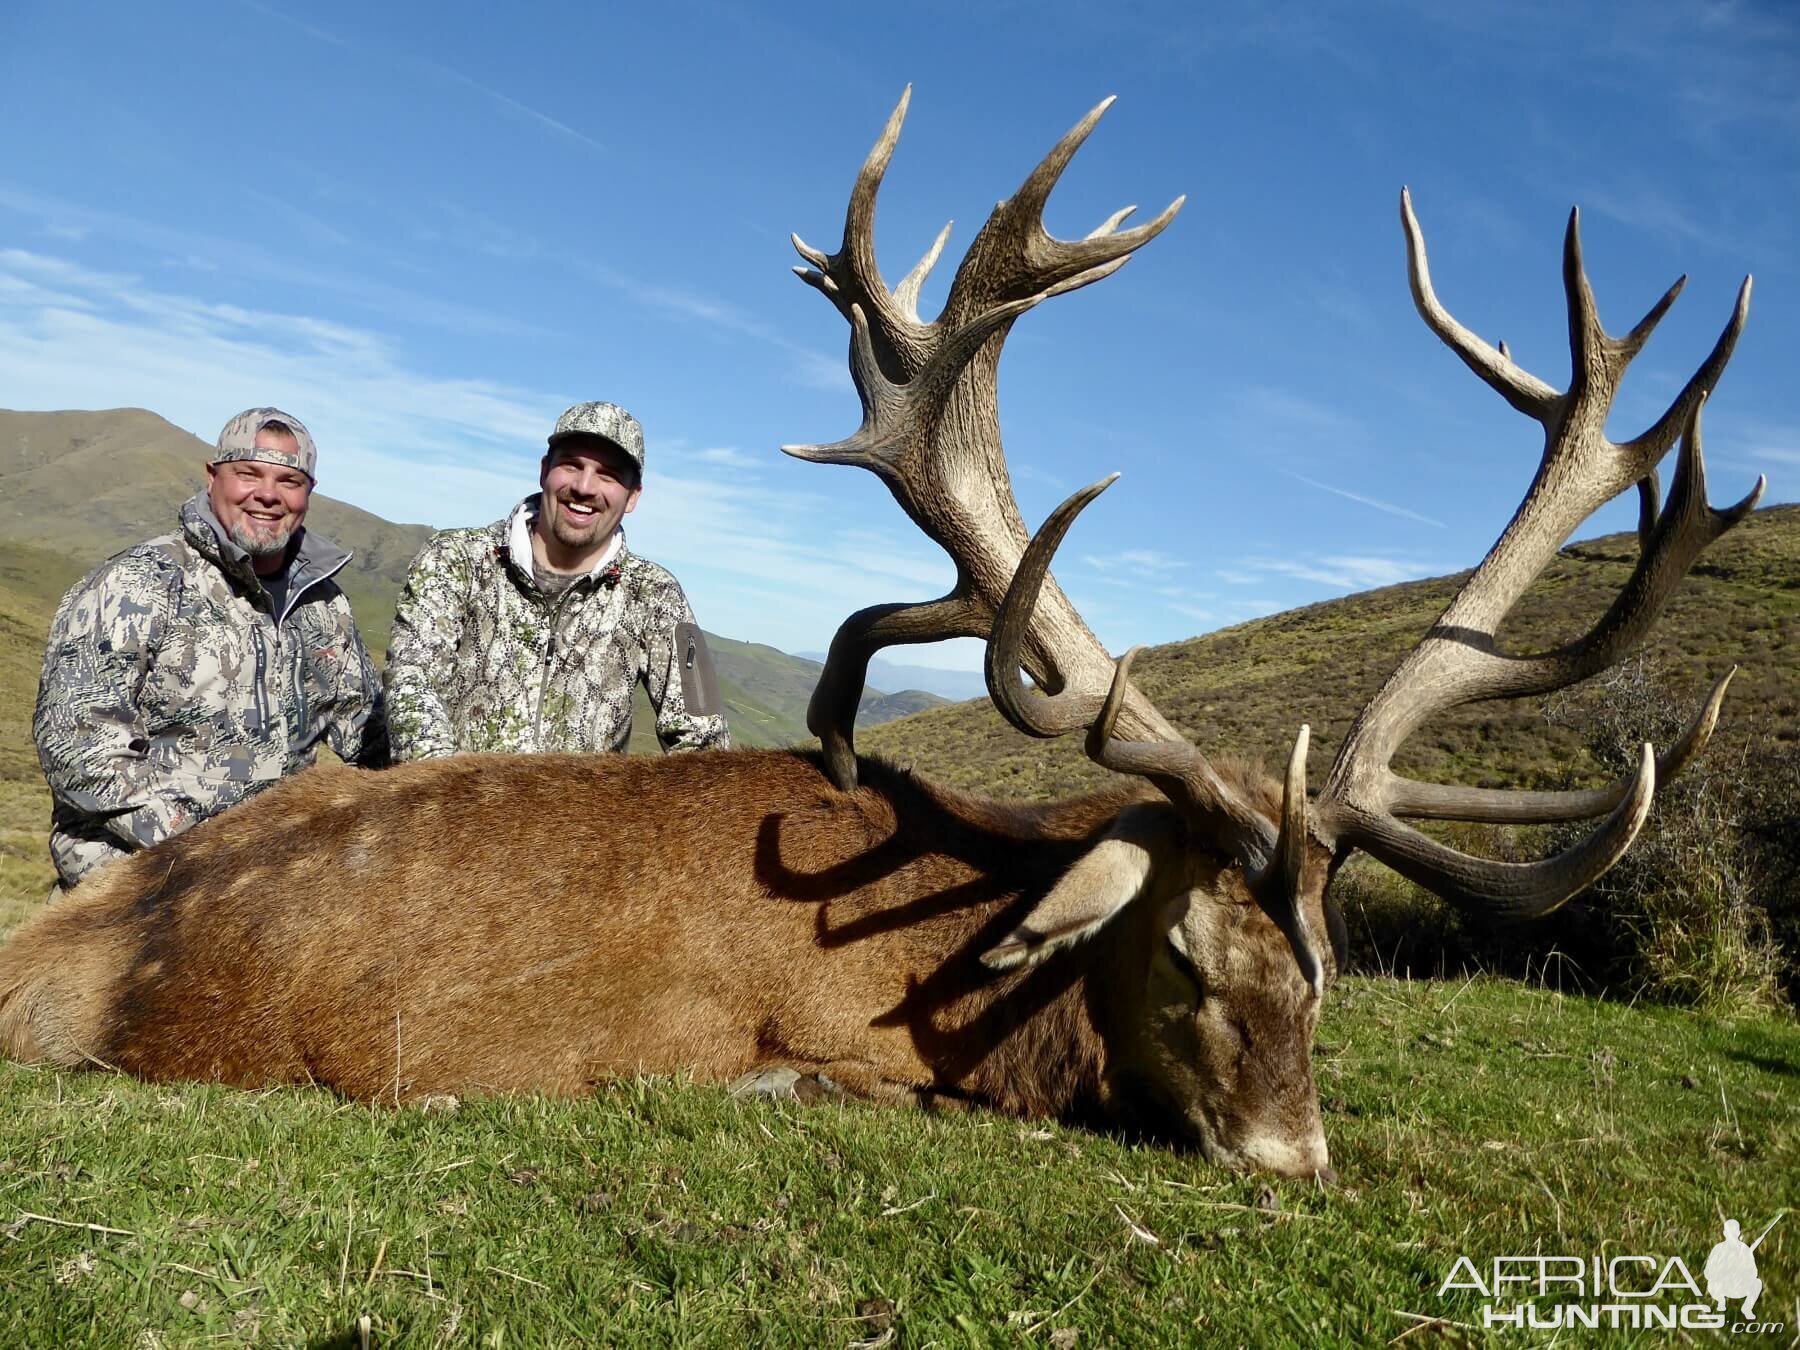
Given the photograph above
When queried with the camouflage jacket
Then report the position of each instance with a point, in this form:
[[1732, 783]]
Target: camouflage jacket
[[482, 659], [171, 691]]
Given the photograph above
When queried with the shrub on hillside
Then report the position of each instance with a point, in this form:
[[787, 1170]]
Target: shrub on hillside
[[1692, 912], [1704, 909]]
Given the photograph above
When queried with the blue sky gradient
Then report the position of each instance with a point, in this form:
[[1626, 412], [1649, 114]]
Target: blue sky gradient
[[426, 229]]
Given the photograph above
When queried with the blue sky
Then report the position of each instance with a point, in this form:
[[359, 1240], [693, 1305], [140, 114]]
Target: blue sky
[[426, 229]]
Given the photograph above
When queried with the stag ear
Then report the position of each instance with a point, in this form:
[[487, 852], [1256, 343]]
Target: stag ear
[[1099, 884]]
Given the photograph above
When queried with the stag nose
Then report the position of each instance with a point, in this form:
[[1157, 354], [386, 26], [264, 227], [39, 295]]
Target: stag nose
[[1303, 1159]]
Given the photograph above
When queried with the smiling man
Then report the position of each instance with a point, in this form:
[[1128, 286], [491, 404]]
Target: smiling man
[[189, 672], [532, 633]]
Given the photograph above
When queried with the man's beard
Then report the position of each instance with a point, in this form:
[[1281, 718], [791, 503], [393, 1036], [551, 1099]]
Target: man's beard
[[259, 545], [570, 535]]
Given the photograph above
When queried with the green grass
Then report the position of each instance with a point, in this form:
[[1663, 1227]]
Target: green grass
[[1483, 1118]]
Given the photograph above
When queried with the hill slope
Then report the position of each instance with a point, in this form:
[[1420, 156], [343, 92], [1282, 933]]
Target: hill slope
[[1247, 689]]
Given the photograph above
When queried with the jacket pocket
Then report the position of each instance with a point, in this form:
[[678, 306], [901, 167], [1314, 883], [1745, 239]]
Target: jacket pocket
[[699, 682]]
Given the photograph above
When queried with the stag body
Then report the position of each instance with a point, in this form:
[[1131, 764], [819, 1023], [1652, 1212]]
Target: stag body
[[430, 929]]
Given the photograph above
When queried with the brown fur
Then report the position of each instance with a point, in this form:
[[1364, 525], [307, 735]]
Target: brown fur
[[498, 923]]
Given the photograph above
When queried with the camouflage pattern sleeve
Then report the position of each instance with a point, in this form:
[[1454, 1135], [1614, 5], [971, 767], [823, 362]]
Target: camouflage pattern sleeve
[[91, 738], [678, 675], [358, 733], [428, 626]]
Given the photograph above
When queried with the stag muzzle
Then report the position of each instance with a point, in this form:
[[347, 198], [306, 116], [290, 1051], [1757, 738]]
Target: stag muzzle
[[1303, 1159]]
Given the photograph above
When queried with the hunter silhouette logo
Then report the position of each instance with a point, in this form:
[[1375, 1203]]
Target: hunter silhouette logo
[[1553, 1293], [1731, 1268]]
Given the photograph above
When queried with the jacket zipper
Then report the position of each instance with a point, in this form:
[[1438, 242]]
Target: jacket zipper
[[296, 678], [537, 722], [294, 595]]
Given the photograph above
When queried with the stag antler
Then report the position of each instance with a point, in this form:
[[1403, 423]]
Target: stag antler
[[931, 427], [1459, 661]]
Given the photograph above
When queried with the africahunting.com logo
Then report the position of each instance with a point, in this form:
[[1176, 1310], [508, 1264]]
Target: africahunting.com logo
[[1647, 1292]]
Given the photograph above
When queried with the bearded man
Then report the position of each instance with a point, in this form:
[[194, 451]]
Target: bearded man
[[532, 633], [192, 671]]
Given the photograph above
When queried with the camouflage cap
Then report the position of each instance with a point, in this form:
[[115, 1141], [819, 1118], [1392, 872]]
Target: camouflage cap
[[608, 421], [238, 440]]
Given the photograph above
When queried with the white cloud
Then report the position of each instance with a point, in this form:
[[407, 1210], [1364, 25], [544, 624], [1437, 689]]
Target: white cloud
[[730, 457], [1266, 406], [1374, 502], [1754, 441], [1140, 562], [446, 72], [761, 559], [1343, 572], [764, 555], [1645, 206], [192, 250], [809, 367]]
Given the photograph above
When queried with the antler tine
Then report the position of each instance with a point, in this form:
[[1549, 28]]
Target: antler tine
[[882, 401], [859, 217], [831, 712], [852, 275], [1501, 806], [1681, 532], [1649, 508], [1283, 872], [1458, 661], [1168, 764], [1034, 713], [1592, 355], [1506, 890], [1111, 223], [892, 410], [906, 294], [1015, 255], [1518, 387], [1650, 446], [1633, 342], [1276, 884], [1038, 184]]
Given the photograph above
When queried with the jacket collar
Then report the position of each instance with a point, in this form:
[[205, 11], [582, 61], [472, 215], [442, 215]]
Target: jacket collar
[[515, 541], [314, 558]]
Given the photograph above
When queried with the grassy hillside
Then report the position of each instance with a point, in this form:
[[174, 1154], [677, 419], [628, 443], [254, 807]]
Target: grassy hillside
[[1247, 689]]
